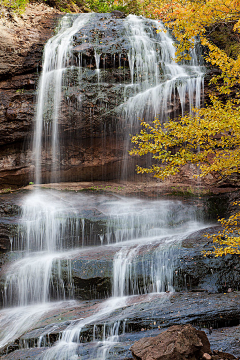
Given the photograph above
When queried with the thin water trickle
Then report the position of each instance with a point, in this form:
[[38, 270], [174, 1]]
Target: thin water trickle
[[97, 61]]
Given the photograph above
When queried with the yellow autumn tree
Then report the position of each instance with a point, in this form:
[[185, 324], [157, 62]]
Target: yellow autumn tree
[[210, 138]]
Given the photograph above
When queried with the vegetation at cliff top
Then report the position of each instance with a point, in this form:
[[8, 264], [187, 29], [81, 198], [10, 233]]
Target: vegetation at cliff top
[[210, 137], [17, 5], [100, 6]]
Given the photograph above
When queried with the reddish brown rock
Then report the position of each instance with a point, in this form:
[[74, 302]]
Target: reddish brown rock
[[177, 343], [91, 133], [219, 355]]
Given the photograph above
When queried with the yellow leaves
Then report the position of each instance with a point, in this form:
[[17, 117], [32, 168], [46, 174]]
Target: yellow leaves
[[210, 138], [228, 240], [191, 19], [215, 130], [237, 26]]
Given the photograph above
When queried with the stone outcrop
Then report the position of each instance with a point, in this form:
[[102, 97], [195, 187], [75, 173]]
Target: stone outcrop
[[22, 38], [92, 269], [178, 342]]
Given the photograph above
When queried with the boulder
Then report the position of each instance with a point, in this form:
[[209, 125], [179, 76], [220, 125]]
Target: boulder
[[178, 342]]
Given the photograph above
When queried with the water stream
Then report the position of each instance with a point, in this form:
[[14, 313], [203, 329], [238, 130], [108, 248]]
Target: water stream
[[143, 236]]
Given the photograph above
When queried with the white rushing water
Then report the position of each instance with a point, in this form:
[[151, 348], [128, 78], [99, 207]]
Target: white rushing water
[[159, 83], [56, 60], [143, 253], [157, 78], [144, 235]]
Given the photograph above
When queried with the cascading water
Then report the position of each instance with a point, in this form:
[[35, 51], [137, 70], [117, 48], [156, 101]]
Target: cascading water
[[158, 83], [144, 236], [157, 80], [56, 60], [76, 64]]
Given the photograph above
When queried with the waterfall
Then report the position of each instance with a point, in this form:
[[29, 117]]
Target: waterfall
[[57, 57], [158, 86], [55, 228], [158, 82]]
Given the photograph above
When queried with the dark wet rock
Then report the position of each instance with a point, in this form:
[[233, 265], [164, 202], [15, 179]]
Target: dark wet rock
[[199, 309], [9, 220], [147, 316], [196, 271], [91, 269], [178, 342], [8, 230], [191, 270], [118, 14], [226, 339]]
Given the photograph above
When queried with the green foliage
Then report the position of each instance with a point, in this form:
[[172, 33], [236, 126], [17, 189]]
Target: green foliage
[[15, 5], [19, 91], [6, 191], [74, 6], [102, 6]]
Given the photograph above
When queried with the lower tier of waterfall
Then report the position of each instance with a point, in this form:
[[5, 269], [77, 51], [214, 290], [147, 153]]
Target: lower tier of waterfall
[[90, 273]]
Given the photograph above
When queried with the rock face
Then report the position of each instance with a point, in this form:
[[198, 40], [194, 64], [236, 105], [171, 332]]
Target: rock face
[[22, 38], [88, 155], [92, 127], [178, 342]]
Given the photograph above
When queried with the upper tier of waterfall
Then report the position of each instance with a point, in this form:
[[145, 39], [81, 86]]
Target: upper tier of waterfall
[[103, 74]]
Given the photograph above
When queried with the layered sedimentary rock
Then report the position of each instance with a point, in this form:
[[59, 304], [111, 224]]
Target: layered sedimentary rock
[[22, 38], [103, 72]]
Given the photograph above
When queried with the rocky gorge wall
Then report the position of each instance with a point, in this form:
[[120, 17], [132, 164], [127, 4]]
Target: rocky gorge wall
[[22, 38], [92, 134]]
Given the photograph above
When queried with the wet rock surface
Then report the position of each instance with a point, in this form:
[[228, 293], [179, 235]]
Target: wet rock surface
[[92, 268], [206, 295], [207, 272], [9, 219], [24, 354], [146, 316]]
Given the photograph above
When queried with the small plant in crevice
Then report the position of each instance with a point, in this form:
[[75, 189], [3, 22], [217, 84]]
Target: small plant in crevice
[[6, 191]]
